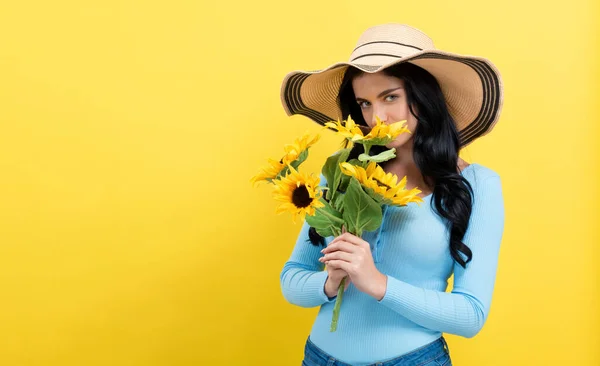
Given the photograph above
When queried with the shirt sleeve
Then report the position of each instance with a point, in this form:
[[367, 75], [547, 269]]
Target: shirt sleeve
[[303, 278], [464, 310]]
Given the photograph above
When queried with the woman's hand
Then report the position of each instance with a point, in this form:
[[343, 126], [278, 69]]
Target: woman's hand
[[352, 254], [334, 278]]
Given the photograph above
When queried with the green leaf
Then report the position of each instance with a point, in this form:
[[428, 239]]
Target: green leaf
[[295, 164], [338, 202], [376, 197], [344, 182], [325, 217], [331, 171], [346, 178], [301, 158], [381, 157], [283, 173], [328, 172], [338, 171], [327, 232], [382, 141], [361, 212], [329, 167]]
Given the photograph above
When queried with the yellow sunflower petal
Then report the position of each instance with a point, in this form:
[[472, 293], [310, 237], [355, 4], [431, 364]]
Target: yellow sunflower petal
[[349, 130], [269, 172], [381, 184], [382, 133], [295, 149]]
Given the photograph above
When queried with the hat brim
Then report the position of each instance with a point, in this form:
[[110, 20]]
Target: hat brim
[[472, 87]]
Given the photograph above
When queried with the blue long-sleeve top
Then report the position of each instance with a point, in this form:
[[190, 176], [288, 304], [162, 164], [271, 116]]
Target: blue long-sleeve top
[[411, 248]]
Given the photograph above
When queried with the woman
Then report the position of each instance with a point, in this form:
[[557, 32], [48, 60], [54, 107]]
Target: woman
[[396, 307]]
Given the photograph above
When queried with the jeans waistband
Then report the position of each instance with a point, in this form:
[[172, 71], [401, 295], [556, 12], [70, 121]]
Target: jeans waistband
[[429, 351]]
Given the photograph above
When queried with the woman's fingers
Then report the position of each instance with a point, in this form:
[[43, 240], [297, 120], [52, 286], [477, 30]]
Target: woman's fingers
[[340, 245], [344, 256], [349, 238], [352, 239], [336, 263]]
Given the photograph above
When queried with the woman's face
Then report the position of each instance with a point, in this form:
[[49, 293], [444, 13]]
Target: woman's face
[[384, 96]]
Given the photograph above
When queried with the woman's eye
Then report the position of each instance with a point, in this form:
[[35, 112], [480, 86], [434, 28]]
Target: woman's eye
[[363, 104], [391, 98]]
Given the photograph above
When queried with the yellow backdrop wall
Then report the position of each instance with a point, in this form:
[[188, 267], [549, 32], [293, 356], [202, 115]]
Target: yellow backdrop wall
[[130, 235]]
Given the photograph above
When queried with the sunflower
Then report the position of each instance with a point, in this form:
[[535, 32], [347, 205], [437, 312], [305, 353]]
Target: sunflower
[[269, 172], [295, 154], [383, 134], [300, 193], [349, 130], [295, 150], [380, 134], [382, 186]]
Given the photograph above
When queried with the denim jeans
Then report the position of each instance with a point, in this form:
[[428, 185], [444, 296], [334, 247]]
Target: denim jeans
[[435, 353]]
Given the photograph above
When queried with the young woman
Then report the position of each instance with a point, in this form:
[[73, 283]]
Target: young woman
[[396, 307]]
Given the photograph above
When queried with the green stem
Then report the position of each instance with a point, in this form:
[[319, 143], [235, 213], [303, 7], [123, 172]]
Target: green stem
[[336, 307], [367, 148], [329, 194], [336, 231]]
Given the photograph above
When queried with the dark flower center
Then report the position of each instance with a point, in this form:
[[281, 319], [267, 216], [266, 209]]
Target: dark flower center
[[381, 184], [301, 197]]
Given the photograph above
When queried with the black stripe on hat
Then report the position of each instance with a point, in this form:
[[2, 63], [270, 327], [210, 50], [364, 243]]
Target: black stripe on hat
[[375, 54], [369, 68], [390, 42]]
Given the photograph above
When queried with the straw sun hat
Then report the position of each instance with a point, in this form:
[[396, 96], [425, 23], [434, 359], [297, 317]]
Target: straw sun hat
[[471, 85]]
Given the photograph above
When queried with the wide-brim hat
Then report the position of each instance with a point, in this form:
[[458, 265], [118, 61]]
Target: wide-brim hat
[[471, 85]]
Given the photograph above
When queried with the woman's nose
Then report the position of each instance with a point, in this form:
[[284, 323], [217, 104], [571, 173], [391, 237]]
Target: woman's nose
[[379, 113]]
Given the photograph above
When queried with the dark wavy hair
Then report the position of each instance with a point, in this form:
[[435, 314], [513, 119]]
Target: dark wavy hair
[[435, 149]]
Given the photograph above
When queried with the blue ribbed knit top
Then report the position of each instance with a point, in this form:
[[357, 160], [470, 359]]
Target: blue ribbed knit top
[[411, 248]]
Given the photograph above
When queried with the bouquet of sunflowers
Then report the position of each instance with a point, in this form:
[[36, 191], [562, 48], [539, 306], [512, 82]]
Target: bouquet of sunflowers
[[356, 189]]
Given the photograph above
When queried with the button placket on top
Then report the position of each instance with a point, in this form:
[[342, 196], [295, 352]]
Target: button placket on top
[[377, 246]]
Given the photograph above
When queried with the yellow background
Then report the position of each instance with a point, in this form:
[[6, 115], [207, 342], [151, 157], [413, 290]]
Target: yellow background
[[129, 232]]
